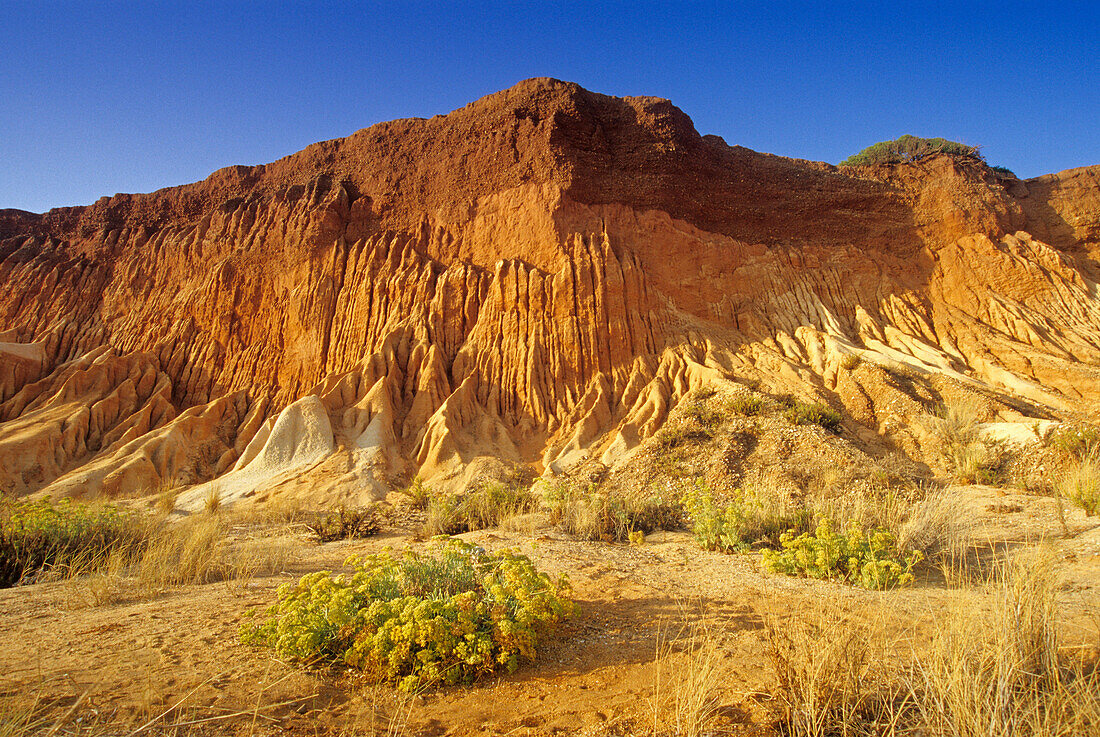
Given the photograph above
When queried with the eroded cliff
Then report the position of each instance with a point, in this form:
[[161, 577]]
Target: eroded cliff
[[538, 278]]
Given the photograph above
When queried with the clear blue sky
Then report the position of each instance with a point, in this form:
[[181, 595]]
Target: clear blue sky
[[105, 97]]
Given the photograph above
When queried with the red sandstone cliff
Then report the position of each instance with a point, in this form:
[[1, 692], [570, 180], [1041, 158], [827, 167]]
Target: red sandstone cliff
[[537, 277]]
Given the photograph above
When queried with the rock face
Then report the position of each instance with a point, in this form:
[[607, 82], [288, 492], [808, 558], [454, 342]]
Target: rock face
[[538, 277]]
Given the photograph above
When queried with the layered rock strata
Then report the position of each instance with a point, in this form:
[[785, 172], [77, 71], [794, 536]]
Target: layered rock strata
[[538, 277]]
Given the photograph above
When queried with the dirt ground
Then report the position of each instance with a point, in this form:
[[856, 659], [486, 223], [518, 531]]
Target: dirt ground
[[174, 664]]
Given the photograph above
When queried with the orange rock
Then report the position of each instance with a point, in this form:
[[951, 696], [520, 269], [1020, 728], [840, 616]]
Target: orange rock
[[538, 276]]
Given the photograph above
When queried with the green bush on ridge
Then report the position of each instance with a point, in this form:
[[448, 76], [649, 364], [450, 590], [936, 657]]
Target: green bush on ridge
[[907, 148]]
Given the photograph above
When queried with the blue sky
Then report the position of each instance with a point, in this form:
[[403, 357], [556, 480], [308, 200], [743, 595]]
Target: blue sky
[[105, 97]]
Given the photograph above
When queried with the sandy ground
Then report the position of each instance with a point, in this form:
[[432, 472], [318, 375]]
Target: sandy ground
[[174, 664]]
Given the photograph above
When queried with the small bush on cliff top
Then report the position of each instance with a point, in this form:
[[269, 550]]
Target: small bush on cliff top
[[908, 148], [418, 620]]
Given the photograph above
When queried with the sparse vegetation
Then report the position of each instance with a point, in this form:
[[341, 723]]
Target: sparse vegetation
[[418, 620], [488, 505], [870, 559], [1079, 441], [1080, 483], [1000, 670], [39, 536], [821, 657], [749, 518], [991, 669], [590, 514], [346, 524], [910, 148], [103, 551], [814, 413], [969, 458], [748, 404], [705, 410], [212, 502], [691, 668], [418, 493]]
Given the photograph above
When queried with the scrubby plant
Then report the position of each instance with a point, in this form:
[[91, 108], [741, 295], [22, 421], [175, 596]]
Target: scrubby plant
[[970, 459], [814, 413], [1004, 170], [908, 148], [1002, 669], [706, 411], [588, 513], [821, 655], [749, 404], [418, 493], [746, 519], [39, 535], [346, 524], [1075, 440], [418, 620], [870, 559], [487, 505], [1081, 484]]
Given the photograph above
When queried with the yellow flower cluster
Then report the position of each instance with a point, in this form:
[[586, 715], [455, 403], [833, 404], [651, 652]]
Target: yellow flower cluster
[[868, 559], [419, 619]]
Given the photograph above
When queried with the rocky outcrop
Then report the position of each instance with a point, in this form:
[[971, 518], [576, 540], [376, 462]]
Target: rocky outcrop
[[538, 277]]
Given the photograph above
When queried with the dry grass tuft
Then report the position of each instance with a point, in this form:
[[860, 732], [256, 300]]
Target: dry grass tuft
[[970, 459], [934, 527], [488, 505], [195, 550], [212, 502], [823, 658], [998, 670], [691, 669], [995, 667], [1080, 483], [587, 513]]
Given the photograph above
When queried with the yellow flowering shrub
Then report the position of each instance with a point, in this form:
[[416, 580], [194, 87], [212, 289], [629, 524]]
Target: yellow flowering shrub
[[869, 559], [415, 619]]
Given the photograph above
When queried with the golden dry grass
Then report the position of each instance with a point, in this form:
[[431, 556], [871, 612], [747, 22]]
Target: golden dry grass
[[691, 668]]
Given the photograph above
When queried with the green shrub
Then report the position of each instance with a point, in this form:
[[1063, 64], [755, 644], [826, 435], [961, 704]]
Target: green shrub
[[706, 412], [749, 405], [346, 524], [486, 506], [749, 518], [868, 559], [419, 493], [907, 148], [39, 535], [801, 413], [418, 620], [1003, 170]]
